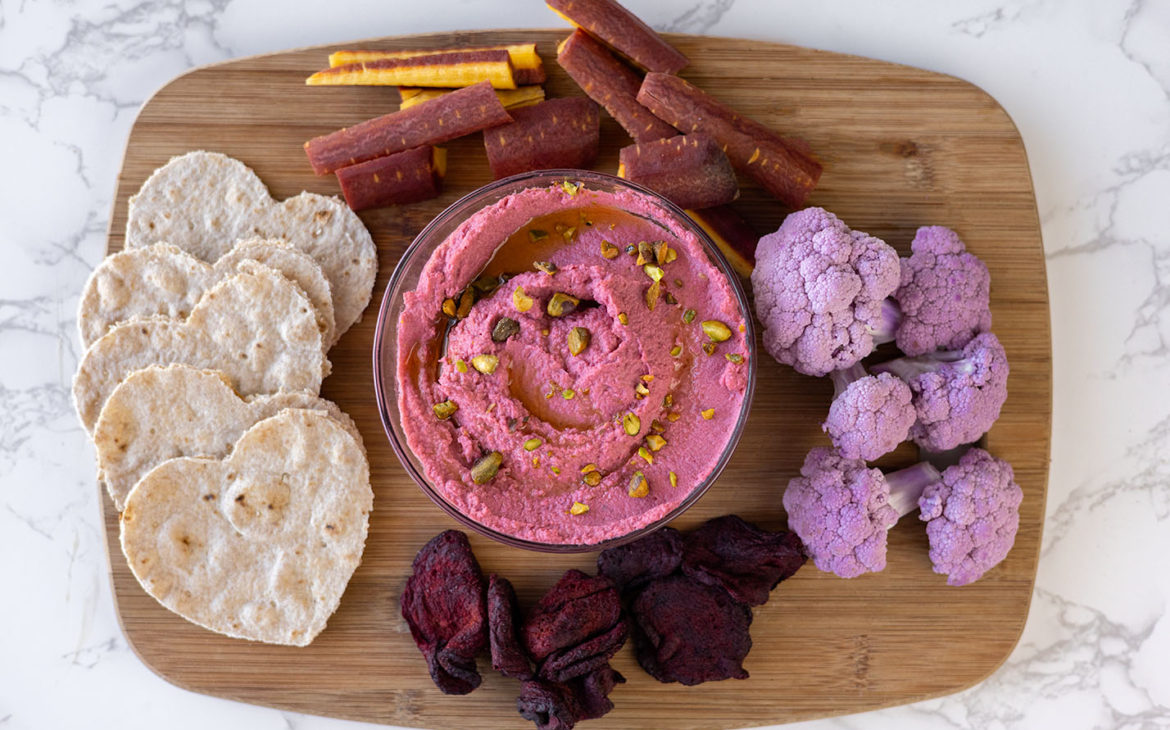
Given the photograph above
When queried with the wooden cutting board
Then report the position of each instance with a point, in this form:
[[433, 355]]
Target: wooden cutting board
[[901, 148]]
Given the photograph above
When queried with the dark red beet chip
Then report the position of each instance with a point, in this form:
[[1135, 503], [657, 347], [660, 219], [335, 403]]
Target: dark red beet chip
[[739, 557], [508, 656], [633, 565], [690, 632], [443, 603], [585, 657], [576, 609], [561, 705]]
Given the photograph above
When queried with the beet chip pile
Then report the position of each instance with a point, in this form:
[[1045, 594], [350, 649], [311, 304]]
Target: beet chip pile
[[690, 596], [443, 603]]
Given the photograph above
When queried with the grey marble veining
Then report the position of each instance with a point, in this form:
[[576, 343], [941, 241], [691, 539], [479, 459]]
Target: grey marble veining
[[1087, 82]]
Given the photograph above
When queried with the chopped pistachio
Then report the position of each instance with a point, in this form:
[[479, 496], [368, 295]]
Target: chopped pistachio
[[579, 339], [645, 454], [655, 442], [569, 232], [716, 331], [608, 250], [656, 426], [654, 272], [592, 478], [689, 316], [632, 424], [673, 416], [652, 292], [669, 298], [707, 414], [465, 301], [588, 468], [678, 283], [505, 328], [486, 364], [709, 348], [568, 394], [449, 307], [741, 327], [486, 467], [623, 318], [491, 407], [734, 357], [641, 391], [648, 378], [555, 469], [544, 333], [547, 267], [536, 461], [645, 254], [460, 366], [578, 509], [673, 479], [560, 304], [532, 444], [667, 400], [520, 300], [638, 485], [535, 234], [663, 253], [631, 249], [676, 351], [444, 410], [486, 284], [570, 188]]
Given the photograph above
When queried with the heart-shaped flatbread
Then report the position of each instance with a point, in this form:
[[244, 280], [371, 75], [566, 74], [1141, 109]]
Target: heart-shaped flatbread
[[161, 413], [255, 326], [260, 545], [203, 202], [164, 280]]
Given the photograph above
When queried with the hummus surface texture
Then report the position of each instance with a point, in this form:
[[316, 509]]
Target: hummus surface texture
[[650, 396]]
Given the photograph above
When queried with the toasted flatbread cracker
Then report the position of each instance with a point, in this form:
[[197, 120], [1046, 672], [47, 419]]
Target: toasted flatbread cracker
[[165, 280], [255, 326], [260, 545], [203, 202], [164, 412]]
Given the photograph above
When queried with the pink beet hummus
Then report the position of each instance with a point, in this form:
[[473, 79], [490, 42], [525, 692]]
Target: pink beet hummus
[[553, 416]]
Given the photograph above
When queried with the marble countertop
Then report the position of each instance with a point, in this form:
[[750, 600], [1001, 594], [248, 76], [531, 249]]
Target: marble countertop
[[1088, 84]]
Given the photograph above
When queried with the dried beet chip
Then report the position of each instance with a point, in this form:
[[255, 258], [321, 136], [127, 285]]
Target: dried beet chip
[[443, 603], [739, 557], [593, 691], [690, 632], [633, 565], [576, 609], [508, 656], [586, 657], [561, 705], [550, 705]]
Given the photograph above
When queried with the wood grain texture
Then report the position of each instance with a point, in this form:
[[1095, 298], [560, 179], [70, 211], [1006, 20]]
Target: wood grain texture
[[901, 148]]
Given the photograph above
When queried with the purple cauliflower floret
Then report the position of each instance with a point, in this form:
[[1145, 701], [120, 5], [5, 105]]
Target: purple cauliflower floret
[[957, 394], [870, 414], [840, 509], [819, 288], [944, 294], [972, 515]]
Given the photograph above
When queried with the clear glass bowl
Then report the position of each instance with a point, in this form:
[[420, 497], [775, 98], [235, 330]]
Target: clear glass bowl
[[405, 278]]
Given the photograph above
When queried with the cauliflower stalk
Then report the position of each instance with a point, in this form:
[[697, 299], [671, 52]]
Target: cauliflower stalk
[[843, 510], [819, 288]]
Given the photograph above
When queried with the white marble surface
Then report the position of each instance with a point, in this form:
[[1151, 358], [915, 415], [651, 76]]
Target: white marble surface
[[1088, 83]]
